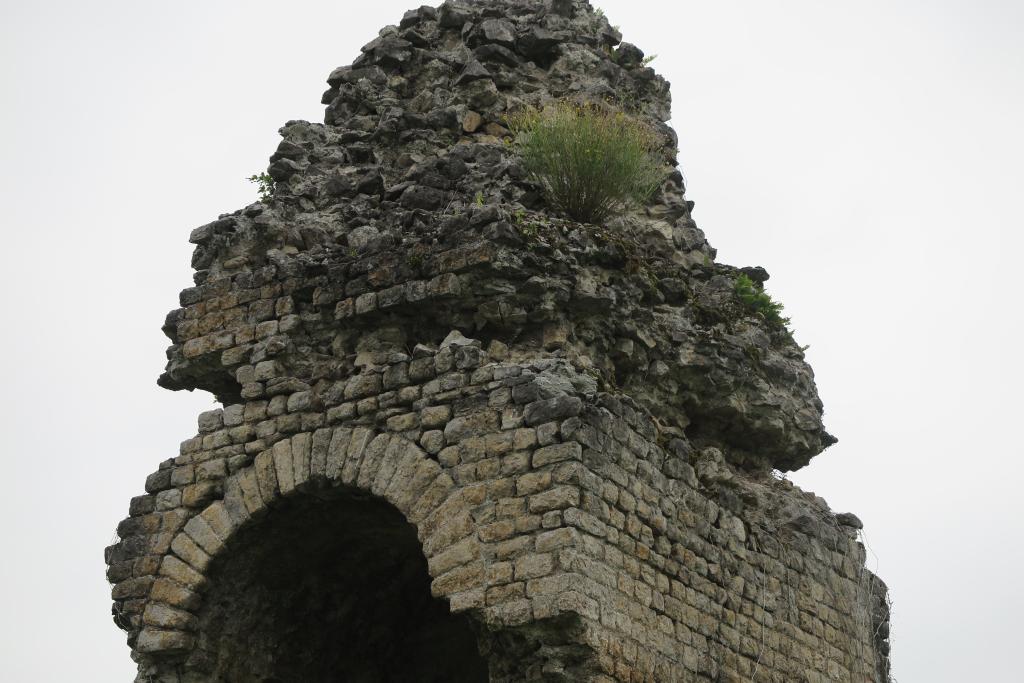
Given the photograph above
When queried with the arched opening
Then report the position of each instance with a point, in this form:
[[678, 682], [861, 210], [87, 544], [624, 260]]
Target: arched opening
[[330, 586]]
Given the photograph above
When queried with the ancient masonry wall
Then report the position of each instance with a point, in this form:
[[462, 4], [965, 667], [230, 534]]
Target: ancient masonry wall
[[531, 500], [583, 446]]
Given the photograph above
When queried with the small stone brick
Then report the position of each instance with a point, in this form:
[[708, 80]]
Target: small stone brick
[[432, 441], [360, 386], [435, 416], [557, 453], [557, 498]]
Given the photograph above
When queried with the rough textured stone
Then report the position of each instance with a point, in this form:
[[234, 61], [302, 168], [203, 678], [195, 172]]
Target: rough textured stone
[[592, 496]]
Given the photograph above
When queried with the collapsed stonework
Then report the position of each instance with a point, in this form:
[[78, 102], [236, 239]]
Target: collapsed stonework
[[465, 439]]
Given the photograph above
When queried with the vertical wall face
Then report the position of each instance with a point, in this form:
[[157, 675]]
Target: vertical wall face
[[466, 439], [568, 543]]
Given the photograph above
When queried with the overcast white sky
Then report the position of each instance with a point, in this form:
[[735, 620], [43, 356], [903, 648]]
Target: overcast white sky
[[868, 154]]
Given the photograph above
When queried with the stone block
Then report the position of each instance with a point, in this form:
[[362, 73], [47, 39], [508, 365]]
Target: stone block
[[301, 448], [217, 518], [513, 613], [182, 476], [497, 531], [403, 423], [266, 476], [267, 370], [424, 474], [435, 493], [158, 481], [466, 600], [371, 460], [363, 385], [319, 449], [456, 555], [345, 309], [155, 641], [443, 286], [396, 375], [433, 417], [432, 441], [181, 573], [558, 538], [359, 442], [366, 303], [471, 121], [283, 467], [172, 593], [135, 587], [557, 453], [407, 460], [532, 482], [199, 531], [556, 498], [547, 433], [461, 579], [189, 551], [234, 501], [556, 408], [388, 466], [335, 451], [211, 470], [249, 484], [475, 424], [168, 500]]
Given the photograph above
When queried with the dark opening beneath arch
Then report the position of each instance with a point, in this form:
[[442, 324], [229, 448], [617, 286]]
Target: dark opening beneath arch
[[331, 586]]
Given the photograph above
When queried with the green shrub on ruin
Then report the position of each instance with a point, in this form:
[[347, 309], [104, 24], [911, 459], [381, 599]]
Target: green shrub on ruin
[[591, 161], [264, 184], [759, 302]]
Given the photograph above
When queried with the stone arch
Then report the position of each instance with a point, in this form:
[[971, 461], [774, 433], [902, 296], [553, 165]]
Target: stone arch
[[355, 473]]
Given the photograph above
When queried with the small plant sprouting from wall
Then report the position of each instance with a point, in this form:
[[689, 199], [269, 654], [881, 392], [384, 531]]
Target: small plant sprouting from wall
[[265, 185], [759, 302], [591, 161]]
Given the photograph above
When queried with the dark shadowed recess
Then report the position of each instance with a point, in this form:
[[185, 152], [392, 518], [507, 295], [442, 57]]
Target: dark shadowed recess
[[331, 586]]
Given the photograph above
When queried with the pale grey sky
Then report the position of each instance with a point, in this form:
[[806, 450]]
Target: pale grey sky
[[867, 154]]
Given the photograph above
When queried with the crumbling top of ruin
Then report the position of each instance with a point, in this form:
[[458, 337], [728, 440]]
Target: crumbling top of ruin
[[465, 438], [411, 177]]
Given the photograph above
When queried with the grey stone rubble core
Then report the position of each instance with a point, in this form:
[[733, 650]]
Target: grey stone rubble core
[[566, 433]]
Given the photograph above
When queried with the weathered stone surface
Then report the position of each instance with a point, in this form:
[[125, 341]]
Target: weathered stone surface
[[162, 642], [433, 384], [557, 408]]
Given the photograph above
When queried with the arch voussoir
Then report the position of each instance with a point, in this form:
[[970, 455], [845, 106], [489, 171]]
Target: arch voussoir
[[281, 453], [301, 448], [249, 486], [188, 550], [352, 456], [234, 500], [266, 476], [388, 465], [370, 463], [383, 465], [413, 473], [433, 495], [335, 453]]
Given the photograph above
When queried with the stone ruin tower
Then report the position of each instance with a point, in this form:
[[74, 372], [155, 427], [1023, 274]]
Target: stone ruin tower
[[464, 439]]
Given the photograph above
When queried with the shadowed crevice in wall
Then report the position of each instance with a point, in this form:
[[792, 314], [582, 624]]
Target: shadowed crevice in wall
[[553, 650], [326, 587]]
